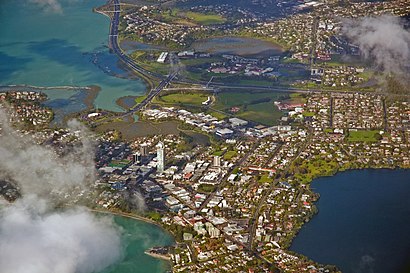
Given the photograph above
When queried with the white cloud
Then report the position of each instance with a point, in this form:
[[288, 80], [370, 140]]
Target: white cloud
[[36, 237], [72, 241], [383, 40]]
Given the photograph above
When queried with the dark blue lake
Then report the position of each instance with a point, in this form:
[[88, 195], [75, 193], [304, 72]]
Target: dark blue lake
[[363, 224]]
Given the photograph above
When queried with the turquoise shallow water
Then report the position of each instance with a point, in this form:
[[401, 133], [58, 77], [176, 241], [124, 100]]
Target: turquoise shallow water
[[45, 48], [139, 236], [363, 222]]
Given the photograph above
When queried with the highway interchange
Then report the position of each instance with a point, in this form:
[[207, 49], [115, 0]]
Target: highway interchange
[[166, 79]]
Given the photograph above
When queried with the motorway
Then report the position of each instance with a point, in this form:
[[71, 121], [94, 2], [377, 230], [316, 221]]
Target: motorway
[[164, 83], [114, 45], [166, 79]]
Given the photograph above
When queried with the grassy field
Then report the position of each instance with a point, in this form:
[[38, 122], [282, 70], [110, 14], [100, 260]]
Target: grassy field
[[187, 98], [265, 179], [238, 98], [207, 188], [218, 153], [364, 136], [264, 113], [205, 19], [189, 18], [255, 106], [151, 65], [218, 115], [228, 155], [308, 114], [315, 168]]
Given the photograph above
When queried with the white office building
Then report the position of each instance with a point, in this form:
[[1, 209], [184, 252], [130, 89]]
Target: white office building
[[160, 157]]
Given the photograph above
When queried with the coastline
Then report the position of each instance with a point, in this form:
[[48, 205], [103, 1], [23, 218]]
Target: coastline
[[158, 256], [335, 172], [143, 219], [149, 83], [127, 215]]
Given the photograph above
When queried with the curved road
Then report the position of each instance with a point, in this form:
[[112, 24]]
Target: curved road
[[165, 80], [114, 45]]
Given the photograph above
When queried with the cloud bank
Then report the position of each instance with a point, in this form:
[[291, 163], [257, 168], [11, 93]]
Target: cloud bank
[[383, 40], [36, 237], [73, 241], [38, 170]]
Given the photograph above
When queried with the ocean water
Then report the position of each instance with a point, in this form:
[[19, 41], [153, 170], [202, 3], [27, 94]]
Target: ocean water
[[137, 237], [42, 47], [363, 222]]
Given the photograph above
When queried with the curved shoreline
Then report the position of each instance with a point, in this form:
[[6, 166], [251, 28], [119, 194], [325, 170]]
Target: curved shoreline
[[352, 174], [127, 215], [134, 217], [149, 84]]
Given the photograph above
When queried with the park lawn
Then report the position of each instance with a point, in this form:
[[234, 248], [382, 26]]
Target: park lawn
[[308, 114], [315, 168], [230, 99], [218, 153], [264, 113], [265, 179], [205, 19], [228, 155], [208, 188], [364, 136], [217, 115], [187, 98]]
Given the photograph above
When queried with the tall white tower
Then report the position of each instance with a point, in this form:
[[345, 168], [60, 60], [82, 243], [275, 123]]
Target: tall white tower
[[217, 161], [160, 157]]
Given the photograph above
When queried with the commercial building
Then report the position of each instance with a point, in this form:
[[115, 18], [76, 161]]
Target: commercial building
[[160, 157], [217, 161], [144, 149], [236, 122], [163, 57], [224, 132], [136, 158]]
